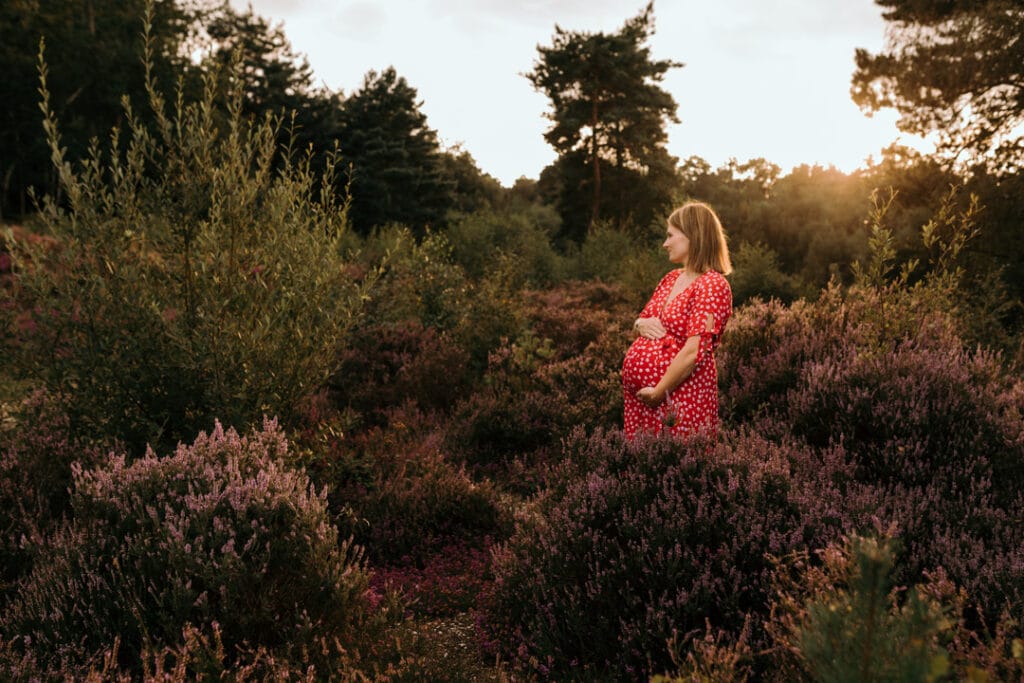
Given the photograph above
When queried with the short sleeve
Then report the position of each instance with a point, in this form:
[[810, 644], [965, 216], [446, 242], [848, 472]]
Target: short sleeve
[[712, 296]]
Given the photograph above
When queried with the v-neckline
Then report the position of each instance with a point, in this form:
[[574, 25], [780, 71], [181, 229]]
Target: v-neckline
[[669, 298]]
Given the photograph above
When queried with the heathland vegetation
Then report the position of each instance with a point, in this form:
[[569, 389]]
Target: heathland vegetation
[[263, 418]]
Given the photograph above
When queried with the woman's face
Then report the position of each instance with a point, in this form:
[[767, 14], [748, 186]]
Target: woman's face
[[677, 245]]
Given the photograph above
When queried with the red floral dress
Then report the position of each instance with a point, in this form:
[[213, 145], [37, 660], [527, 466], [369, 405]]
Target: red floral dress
[[693, 405]]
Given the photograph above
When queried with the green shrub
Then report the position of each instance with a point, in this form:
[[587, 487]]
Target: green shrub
[[843, 617], [219, 534], [757, 273], [197, 273], [424, 286], [493, 314], [480, 239], [861, 632], [602, 255], [420, 281]]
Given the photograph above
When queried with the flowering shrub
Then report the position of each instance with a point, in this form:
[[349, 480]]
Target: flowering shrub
[[958, 526], [36, 457], [220, 532], [412, 513], [576, 314], [415, 501], [900, 425], [631, 543], [201, 655], [921, 412], [767, 344]]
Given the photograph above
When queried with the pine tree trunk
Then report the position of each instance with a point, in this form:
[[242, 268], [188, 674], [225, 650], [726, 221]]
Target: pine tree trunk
[[595, 209]]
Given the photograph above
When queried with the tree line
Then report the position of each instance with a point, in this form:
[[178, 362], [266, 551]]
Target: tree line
[[951, 68], [393, 167]]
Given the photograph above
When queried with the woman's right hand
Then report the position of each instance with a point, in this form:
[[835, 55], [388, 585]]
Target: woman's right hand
[[651, 328]]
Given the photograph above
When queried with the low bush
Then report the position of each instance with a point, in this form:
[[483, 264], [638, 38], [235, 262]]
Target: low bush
[[405, 653], [895, 421], [219, 534], [414, 500], [925, 412], [757, 273], [420, 281], [387, 365], [506, 417], [958, 526], [631, 259], [767, 345], [414, 511], [603, 254], [535, 393], [37, 453], [575, 314], [422, 285], [632, 542]]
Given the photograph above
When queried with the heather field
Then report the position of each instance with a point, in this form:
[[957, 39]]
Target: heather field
[[290, 452], [250, 430]]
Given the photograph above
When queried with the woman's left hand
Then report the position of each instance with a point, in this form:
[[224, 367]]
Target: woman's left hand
[[650, 397]]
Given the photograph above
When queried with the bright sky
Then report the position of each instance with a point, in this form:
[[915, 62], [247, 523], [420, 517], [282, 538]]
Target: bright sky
[[762, 78]]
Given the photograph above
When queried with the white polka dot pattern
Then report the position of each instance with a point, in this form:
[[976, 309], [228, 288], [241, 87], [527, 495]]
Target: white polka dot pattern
[[693, 405]]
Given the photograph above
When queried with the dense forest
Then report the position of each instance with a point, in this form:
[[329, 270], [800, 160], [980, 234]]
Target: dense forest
[[292, 392]]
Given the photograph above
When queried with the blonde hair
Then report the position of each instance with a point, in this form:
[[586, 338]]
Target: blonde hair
[[700, 224]]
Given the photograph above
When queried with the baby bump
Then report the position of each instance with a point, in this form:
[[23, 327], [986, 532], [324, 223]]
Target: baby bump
[[646, 361]]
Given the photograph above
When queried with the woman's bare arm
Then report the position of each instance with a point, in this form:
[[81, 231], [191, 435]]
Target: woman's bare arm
[[678, 370]]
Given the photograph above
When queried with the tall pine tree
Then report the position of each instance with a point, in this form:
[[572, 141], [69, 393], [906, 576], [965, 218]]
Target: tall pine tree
[[395, 157], [954, 68], [608, 118], [275, 79]]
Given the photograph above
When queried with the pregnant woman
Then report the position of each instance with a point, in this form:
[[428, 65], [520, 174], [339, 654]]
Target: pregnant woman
[[669, 378]]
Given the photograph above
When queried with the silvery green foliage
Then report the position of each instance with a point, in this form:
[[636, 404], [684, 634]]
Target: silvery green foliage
[[198, 272]]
